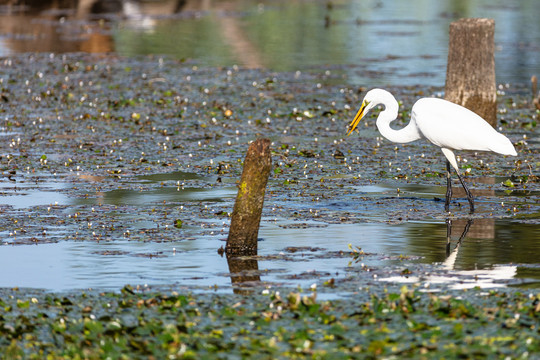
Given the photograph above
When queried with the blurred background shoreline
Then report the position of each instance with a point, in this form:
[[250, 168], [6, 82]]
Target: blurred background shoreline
[[375, 42]]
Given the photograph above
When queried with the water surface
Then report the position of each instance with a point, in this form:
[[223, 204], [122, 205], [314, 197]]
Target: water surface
[[366, 42], [291, 256]]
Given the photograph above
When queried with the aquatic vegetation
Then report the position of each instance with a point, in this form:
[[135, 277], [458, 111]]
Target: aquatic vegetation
[[140, 324], [139, 157]]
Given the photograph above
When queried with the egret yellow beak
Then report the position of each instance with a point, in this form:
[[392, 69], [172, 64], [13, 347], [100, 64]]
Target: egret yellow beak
[[359, 115]]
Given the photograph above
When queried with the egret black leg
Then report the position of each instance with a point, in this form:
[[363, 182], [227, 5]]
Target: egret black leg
[[448, 187], [465, 230], [470, 196], [448, 234]]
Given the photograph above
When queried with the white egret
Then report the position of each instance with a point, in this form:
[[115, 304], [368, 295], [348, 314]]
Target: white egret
[[443, 123]]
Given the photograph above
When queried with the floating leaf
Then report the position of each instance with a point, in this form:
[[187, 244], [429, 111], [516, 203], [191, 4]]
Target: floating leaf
[[178, 223], [508, 183]]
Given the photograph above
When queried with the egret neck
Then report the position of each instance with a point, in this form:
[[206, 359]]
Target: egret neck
[[390, 113]]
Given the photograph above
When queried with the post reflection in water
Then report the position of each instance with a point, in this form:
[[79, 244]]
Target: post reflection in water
[[244, 271]]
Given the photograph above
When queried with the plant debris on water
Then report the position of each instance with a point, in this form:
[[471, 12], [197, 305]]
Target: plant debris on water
[[121, 153]]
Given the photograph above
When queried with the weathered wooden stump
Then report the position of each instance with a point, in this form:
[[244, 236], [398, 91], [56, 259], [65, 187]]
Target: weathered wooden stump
[[470, 74], [249, 202], [535, 94]]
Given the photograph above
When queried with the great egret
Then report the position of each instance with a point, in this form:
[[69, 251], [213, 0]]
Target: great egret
[[445, 124]]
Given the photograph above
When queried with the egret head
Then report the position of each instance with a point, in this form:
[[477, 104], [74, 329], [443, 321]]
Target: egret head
[[373, 98], [367, 104]]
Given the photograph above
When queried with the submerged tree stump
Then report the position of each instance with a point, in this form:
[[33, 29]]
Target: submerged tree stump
[[248, 206], [470, 74]]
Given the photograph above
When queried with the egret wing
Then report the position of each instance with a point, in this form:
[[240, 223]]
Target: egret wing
[[451, 126]]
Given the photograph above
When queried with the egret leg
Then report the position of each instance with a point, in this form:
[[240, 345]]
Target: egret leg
[[448, 187], [470, 196], [448, 234], [465, 230]]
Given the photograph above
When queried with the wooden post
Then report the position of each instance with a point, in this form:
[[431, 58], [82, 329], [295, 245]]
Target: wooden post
[[534, 88], [248, 206], [470, 74]]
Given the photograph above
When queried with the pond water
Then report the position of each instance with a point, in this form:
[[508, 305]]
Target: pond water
[[79, 229], [461, 252], [376, 42], [493, 254]]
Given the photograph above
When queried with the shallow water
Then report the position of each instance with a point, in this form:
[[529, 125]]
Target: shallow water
[[372, 43], [102, 183], [50, 191], [21, 195], [293, 252], [171, 195], [290, 256]]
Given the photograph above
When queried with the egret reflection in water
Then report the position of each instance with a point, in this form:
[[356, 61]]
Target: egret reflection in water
[[452, 254], [486, 278]]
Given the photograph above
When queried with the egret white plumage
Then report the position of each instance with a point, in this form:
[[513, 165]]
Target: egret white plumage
[[445, 124]]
